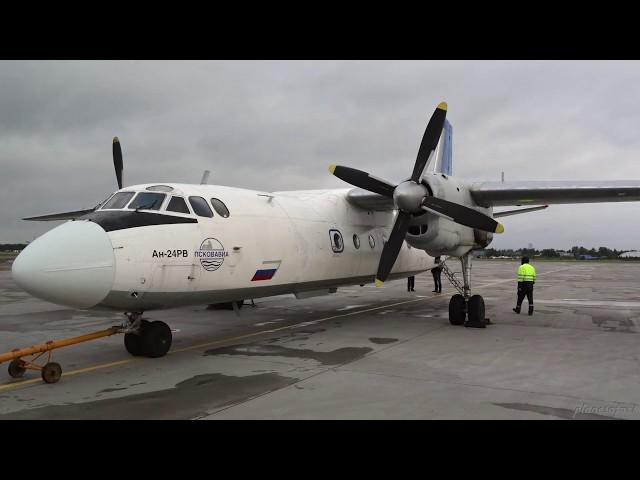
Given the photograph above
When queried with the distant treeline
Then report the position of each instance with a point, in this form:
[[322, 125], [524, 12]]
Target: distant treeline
[[10, 247], [574, 252]]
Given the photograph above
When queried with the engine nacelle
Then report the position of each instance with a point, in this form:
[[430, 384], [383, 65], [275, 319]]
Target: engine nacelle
[[440, 236]]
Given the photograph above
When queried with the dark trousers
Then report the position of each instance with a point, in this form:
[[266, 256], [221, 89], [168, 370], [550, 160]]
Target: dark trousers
[[525, 289], [436, 279], [411, 281]]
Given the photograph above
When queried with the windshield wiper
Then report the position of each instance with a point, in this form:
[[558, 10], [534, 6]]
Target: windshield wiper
[[146, 206]]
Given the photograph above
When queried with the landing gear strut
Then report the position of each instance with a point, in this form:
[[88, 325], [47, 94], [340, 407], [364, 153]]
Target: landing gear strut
[[464, 308], [144, 338]]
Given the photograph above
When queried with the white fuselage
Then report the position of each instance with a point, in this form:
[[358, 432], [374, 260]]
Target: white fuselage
[[301, 242]]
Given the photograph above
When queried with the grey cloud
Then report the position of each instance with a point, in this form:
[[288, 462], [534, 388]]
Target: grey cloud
[[276, 125]]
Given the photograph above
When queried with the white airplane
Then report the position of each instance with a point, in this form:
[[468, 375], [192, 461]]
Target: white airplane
[[156, 246]]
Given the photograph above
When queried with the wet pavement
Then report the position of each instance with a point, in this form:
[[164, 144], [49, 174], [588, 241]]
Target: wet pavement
[[361, 353]]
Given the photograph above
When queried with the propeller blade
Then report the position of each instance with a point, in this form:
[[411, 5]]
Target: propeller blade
[[117, 160], [361, 179], [392, 247], [429, 140], [461, 214]]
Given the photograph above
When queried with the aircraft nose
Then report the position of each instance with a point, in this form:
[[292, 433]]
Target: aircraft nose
[[71, 265]]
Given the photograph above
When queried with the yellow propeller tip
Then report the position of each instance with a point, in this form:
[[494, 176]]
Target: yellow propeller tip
[[442, 106], [379, 282], [332, 168], [499, 228], [115, 140]]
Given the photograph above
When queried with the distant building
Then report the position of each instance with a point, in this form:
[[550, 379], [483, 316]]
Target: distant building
[[631, 254]]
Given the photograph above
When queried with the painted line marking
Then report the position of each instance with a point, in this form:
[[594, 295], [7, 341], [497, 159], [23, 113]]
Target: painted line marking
[[7, 386]]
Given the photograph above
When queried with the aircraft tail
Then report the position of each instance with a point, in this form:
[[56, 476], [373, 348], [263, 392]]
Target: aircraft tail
[[444, 153]]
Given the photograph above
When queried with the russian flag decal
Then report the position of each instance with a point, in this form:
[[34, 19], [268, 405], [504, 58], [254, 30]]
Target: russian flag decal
[[267, 271]]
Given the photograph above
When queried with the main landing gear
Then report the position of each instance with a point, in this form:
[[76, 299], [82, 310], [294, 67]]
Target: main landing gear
[[145, 338], [464, 308]]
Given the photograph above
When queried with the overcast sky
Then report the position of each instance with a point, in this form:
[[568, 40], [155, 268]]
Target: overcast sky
[[277, 125]]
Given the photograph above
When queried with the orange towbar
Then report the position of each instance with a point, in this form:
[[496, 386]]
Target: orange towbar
[[50, 371]]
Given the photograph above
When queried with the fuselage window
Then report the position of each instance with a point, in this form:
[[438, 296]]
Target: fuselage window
[[220, 208], [177, 204], [119, 200], [356, 241], [200, 206], [147, 201], [372, 241], [337, 245]]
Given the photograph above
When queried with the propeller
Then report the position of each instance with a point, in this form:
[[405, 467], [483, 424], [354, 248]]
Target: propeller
[[411, 198], [117, 161], [118, 165], [460, 214]]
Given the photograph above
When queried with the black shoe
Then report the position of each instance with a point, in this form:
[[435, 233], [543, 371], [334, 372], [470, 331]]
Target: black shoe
[[530, 309], [434, 291], [517, 309]]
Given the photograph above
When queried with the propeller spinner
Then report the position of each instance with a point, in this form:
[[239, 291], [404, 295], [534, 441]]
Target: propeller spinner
[[411, 197]]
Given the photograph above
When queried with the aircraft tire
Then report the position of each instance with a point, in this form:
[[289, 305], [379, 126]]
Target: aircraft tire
[[156, 339], [133, 341], [456, 310], [133, 344], [476, 312]]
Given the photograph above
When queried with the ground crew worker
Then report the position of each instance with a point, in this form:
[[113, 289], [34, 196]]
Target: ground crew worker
[[411, 282], [436, 272], [526, 279]]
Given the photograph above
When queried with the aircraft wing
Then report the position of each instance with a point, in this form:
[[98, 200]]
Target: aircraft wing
[[494, 194], [60, 216]]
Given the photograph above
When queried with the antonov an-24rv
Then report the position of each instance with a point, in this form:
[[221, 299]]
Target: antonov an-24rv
[[157, 246]]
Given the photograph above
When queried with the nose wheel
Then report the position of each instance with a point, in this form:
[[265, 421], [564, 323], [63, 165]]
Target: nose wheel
[[147, 339]]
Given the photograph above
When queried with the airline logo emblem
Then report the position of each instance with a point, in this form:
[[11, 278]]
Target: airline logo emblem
[[211, 254]]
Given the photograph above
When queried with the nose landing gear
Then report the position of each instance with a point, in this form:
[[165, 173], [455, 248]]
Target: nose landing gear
[[144, 338]]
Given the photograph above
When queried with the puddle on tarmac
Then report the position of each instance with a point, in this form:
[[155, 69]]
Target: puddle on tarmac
[[382, 341], [190, 398], [334, 357]]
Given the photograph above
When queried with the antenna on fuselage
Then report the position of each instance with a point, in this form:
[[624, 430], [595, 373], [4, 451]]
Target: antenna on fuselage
[[205, 177]]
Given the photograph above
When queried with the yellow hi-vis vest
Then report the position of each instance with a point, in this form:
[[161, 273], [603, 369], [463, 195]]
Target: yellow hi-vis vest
[[526, 273]]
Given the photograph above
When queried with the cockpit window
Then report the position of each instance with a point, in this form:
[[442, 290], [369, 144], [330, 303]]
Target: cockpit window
[[147, 201], [119, 200], [220, 208], [177, 204], [200, 206]]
